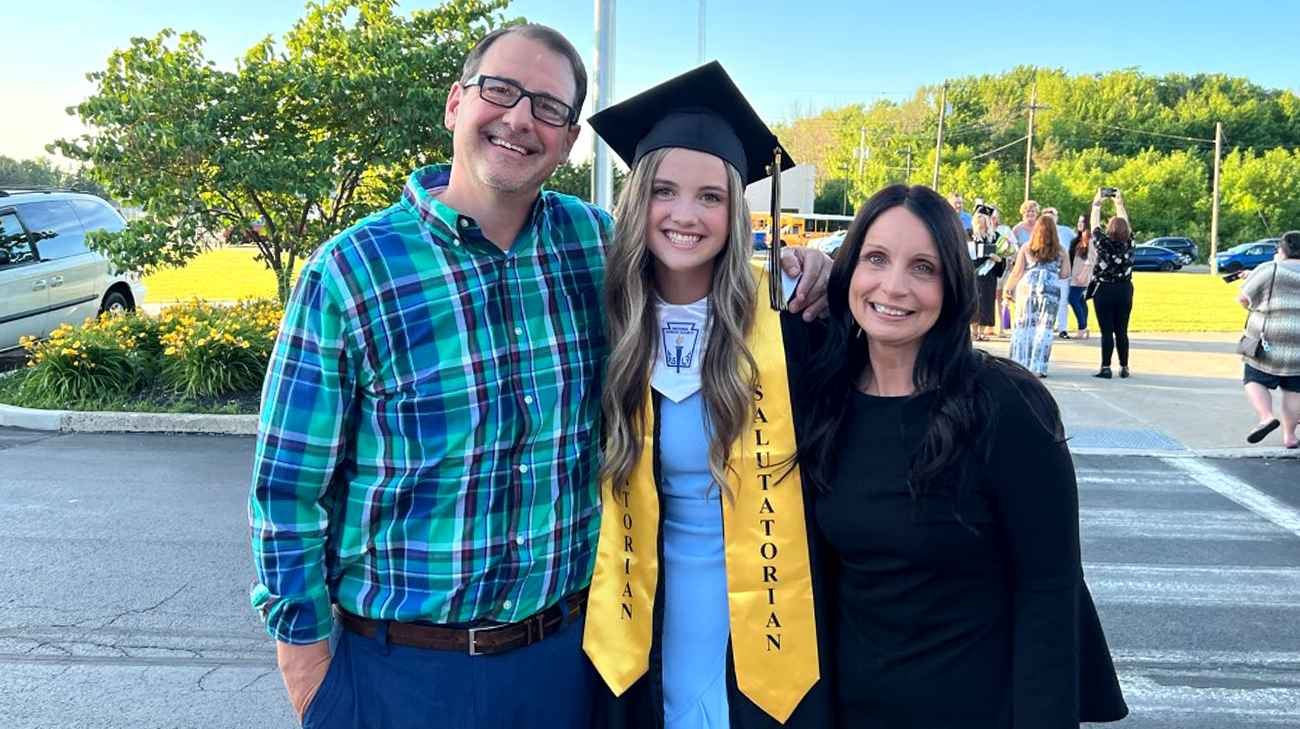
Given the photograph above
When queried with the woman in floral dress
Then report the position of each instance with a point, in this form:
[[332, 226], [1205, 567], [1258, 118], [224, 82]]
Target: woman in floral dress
[[1034, 285]]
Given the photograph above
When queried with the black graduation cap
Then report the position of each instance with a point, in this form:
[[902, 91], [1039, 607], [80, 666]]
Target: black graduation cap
[[702, 110]]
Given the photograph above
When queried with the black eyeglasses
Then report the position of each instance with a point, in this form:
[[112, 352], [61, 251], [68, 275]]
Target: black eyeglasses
[[500, 92]]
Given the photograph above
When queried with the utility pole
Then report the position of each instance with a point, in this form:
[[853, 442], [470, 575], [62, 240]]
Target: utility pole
[[862, 149], [1214, 204], [909, 163], [602, 168], [700, 54], [938, 142], [1029, 142]]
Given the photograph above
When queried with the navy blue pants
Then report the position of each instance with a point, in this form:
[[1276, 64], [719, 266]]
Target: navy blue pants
[[379, 685], [1079, 306]]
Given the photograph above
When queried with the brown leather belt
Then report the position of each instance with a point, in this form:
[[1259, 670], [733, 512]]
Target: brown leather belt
[[483, 641]]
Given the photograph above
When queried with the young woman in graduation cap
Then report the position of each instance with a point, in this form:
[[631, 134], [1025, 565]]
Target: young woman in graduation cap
[[701, 611]]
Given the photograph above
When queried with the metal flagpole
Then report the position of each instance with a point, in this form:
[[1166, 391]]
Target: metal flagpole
[[602, 168]]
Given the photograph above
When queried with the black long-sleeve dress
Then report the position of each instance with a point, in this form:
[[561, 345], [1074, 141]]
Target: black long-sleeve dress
[[986, 286], [981, 622]]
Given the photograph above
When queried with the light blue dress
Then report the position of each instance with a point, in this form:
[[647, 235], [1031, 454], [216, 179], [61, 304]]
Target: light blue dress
[[696, 624], [1038, 298]]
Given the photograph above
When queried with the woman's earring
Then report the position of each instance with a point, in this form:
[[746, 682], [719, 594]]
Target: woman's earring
[[859, 328]]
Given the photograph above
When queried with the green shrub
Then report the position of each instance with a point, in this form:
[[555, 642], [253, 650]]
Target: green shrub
[[211, 350], [194, 350], [82, 365]]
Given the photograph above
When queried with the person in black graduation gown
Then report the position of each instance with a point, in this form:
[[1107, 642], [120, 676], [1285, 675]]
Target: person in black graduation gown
[[691, 330], [947, 495]]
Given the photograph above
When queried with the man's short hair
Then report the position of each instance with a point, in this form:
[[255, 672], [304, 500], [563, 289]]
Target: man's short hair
[[1290, 244], [547, 36], [1051, 213]]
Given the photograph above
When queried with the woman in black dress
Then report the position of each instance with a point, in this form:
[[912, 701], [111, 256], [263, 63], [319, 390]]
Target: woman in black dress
[[989, 267], [948, 496]]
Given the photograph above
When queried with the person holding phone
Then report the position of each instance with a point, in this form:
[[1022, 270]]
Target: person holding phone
[[1111, 258]]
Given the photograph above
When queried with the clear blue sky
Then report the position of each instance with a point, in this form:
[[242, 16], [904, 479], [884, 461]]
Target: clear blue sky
[[829, 52]]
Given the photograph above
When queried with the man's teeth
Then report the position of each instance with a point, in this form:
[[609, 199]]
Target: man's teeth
[[890, 310], [682, 240], [509, 146]]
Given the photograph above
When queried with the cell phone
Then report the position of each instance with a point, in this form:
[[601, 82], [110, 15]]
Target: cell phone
[[1230, 277], [1108, 191]]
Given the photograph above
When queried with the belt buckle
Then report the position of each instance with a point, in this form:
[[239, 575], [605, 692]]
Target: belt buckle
[[473, 641]]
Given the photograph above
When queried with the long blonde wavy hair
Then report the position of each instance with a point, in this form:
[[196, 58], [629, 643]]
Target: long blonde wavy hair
[[728, 373]]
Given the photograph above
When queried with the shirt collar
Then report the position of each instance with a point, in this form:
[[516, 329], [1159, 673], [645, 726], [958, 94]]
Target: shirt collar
[[448, 224]]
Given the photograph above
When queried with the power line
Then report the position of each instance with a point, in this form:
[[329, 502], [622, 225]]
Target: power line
[[999, 149]]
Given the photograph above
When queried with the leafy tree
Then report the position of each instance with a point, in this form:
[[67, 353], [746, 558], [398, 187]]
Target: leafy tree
[[289, 147], [572, 179], [1150, 135], [39, 172], [42, 172], [834, 198], [1261, 194]]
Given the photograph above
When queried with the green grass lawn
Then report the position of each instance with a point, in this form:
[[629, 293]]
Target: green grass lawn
[[221, 274], [1183, 302], [1163, 302]]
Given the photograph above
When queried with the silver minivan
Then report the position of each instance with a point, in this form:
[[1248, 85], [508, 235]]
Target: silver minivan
[[48, 277]]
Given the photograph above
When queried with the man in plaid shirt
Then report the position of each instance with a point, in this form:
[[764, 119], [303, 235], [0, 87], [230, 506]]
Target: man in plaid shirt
[[429, 442]]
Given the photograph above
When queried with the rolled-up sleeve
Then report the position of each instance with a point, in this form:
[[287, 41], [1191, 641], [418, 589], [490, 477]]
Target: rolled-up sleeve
[[302, 440]]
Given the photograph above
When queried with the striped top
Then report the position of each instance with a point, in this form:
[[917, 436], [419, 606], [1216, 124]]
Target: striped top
[[429, 436], [1277, 315]]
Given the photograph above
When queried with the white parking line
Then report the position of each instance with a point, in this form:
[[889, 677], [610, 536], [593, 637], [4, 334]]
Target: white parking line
[[1239, 491]]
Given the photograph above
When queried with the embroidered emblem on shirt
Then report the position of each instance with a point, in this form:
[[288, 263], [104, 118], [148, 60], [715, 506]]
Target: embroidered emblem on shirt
[[680, 340]]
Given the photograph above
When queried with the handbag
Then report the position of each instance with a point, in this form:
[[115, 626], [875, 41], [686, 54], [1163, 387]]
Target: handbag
[[1250, 345], [1091, 291]]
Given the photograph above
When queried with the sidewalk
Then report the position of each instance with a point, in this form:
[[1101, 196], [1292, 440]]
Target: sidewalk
[[1184, 396]]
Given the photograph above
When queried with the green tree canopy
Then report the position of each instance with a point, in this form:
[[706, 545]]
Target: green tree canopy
[[296, 142], [1151, 135]]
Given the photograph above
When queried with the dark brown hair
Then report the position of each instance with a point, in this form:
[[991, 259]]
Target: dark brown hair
[[1290, 244], [547, 36]]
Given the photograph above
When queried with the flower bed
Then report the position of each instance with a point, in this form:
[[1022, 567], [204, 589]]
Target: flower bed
[[194, 357]]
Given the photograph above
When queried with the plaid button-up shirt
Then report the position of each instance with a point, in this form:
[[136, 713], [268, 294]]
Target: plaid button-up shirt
[[429, 437]]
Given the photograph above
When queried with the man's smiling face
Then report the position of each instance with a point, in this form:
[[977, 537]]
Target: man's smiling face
[[508, 151]]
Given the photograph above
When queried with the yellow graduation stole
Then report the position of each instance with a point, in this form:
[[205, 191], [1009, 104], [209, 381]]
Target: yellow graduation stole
[[769, 581]]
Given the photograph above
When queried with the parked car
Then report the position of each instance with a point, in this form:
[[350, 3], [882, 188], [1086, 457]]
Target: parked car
[[829, 244], [1184, 247], [1247, 255], [252, 234], [1155, 258], [48, 277]]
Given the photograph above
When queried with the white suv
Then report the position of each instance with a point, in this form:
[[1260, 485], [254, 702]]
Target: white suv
[[47, 275]]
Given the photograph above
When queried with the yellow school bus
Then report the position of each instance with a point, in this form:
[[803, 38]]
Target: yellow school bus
[[797, 229]]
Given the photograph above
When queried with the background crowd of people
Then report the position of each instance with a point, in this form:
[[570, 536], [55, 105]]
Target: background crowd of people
[[1030, 276]]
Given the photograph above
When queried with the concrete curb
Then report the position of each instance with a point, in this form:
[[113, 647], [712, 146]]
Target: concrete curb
[[72, 421]]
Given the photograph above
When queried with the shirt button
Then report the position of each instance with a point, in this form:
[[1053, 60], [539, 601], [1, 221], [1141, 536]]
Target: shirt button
[[528, 399], [464, 223], [519, 331], [523, 469], [507, 604], [519, 540]]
